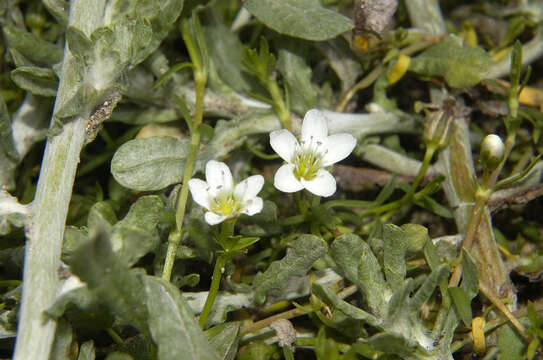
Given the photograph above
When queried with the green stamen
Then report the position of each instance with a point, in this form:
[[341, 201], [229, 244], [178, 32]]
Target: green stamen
[[306, 165], [225, 205]]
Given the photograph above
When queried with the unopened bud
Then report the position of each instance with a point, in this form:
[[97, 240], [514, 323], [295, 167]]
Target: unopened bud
[[492, 151], [437, 129]]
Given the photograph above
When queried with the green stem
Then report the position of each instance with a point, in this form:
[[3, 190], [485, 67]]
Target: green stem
[[200, 80], [279, 105], [430, 150], [114, 336], [347, 203], [287, 352], [214, 289]]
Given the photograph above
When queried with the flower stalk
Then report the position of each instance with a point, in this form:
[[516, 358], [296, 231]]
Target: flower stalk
[[200, 80]]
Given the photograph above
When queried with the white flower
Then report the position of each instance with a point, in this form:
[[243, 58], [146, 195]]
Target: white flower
[[307, 159], [221, 198]]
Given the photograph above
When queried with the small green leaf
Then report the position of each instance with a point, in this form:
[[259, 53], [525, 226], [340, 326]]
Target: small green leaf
[[323, 216], [359, 265], [297, 76], [150, 164], [427, 288], [172, 324], [63, 347], [460, 66], [261, 63], [241, 242], [431, 205], [29, 45], [391, 343], [206, 133], [87, 351], [38, 81], [305, 19], [80, 45], [510, 344], [470, 275], [305, 250], [101, 216], [110, 280], [135, 235], [226, 50], [326, 294], [416, 236], [9, 157], [394, 255], [462, 304], [59, 10], [119, 356], [225, 339]]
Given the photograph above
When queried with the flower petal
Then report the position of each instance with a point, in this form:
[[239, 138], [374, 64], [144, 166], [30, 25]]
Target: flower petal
[[285, 180], [199, 191], [218, 177], [249, 188], [214, 219], [338, 147], [284, 144], [314, 127], [254, 206], [324, 184]]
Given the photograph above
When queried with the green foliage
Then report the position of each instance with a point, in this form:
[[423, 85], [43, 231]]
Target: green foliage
[[38, 81], [305, 19], [460, 66], [305, 250]]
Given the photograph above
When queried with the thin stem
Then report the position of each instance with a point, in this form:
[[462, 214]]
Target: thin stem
[[200, 80], [114, 336], [430, 150], [379, 69], [287, 352], [347, 203], [279, 105], [214, 289]]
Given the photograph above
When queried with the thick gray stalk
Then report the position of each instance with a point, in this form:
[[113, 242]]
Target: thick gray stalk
[[46, 230]]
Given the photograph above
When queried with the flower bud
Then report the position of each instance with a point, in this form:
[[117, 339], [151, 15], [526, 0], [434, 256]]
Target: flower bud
[[492, 151], [437, 129]]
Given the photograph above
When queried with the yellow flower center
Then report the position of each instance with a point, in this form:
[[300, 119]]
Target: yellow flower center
[[225, 205], [306, 164]]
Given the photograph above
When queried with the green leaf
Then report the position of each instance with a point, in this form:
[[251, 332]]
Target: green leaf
[[305, 19], [431, 205], [416, 236], [135, 235], [150, 164], [172, 324], [206, 133], [428, 287], [63, 347], [80, 45], [101, 216], [510, 344], [33, 48], [258, 350], [342, 61], [225, 51], [462, 304], [58, 9], [297, 76], [110, 280], [460, 66], [83, 308], [359, 265], [391, 343], [9, 157], [470, 275], [394, 255], [326, 294], [260, 62], [87, 351], [38, 81], [305, 250], [225, 339], [241, 242]]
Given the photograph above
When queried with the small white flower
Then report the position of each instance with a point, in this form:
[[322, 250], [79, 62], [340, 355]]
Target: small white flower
[[221, 198], [307, 159]]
